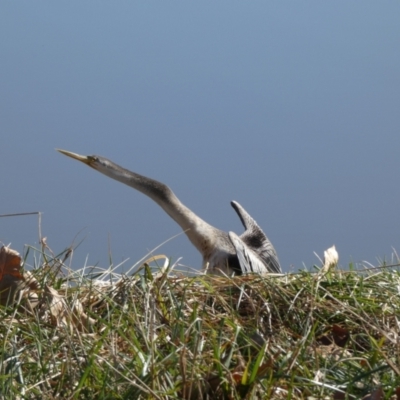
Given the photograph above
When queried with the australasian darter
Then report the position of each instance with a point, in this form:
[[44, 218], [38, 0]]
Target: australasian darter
[[223, 253]]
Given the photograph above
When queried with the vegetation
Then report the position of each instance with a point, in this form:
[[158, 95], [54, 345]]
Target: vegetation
[[157, 334]]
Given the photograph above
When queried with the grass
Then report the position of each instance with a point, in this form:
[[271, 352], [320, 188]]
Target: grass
[[157, 334]]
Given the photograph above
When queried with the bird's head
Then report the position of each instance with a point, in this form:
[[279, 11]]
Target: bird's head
[[102, 165], [96, 162]]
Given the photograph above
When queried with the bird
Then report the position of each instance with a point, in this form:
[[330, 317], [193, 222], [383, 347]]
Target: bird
[[223, 253]]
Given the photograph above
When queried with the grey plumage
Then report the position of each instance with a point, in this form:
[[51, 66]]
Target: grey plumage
[[223, 253]]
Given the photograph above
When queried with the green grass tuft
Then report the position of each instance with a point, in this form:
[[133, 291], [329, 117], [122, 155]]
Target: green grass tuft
[[157, 334]]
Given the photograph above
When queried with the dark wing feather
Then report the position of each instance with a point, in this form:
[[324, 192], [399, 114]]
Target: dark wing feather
[[256, 241]]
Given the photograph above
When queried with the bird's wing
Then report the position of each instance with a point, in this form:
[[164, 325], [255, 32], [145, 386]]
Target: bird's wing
[[247, 221], [256, 240], [249, 260]]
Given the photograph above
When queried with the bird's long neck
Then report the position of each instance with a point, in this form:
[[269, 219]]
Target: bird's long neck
[[200, 233]]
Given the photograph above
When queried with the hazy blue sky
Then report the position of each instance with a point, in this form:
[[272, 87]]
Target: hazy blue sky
[[290, 108]]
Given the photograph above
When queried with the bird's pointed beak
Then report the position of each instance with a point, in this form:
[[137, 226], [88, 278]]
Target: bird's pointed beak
[[84, 159]]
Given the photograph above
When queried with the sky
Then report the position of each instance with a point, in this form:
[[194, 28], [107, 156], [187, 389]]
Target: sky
[[290, 108]]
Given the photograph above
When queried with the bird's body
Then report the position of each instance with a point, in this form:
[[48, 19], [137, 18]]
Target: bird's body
[[223, 253]]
